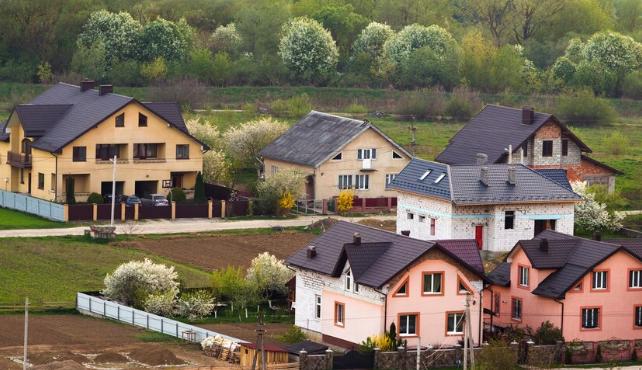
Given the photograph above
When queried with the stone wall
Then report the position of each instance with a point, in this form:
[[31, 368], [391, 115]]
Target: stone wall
[[315, 362]]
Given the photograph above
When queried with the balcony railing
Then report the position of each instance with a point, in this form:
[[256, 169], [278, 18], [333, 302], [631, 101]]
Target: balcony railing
[[19, 160]]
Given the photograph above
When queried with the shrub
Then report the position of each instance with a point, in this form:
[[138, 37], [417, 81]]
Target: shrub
[[547, 333], [160, 303], [423, 103], [584, 108], [632, 86], [293, 335], [355, 108], [294, 107], [381, 341], [617, 143], [269, 274], [199, 188], [286, 203], [195, 305], [133, 281], [497, 355], [463, 103], [176, 195], [44, 73], [270, 191], [344, 201], [592, 216], [95, 198], [230, 284]]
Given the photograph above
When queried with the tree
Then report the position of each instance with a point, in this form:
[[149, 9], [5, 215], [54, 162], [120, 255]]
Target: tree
[[259, 24], [531, 16], [399, 47], [164, 39], [118, 32], [44, 73], [243, 143], [307, 49], [155, 70], [494, 15], [614, 51], [367, 50], [216, 168], [269, 274], [424, 67], [199, 188], [272, 190], [230, 284], [592, 216], [342, 22], [227, 39], [205, 131], [90, 62]]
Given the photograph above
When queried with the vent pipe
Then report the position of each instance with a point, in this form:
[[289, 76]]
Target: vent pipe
[[512, 175], [481, 159], [483, 175], [311, 252]]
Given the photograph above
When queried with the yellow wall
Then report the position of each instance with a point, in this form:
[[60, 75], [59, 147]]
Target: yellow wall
[[327, 174]]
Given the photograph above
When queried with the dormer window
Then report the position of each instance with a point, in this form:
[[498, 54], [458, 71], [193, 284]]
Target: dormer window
[[142, 120], [348, 284], [338, 157], [423, 177]]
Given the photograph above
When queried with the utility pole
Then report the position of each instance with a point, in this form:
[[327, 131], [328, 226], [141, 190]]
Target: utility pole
[[260, 331], [24, 357], [113, 189], [468, 336]]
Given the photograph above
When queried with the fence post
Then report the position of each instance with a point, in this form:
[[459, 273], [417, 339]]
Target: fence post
[[122, 212], [363, 203], [135, 211], [303, 359], [375, 358], [105, 308], [324, 207], [223, 209], [162, 328], [118, 312], [147, 321], [94, 212], [177, 330], [209, 208], [173, 210], [65, 212], [389, 199], [89, 304], [328, 359], [133, 319]]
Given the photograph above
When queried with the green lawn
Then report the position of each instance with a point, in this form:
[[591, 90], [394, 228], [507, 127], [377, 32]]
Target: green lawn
[[54, 269], [10, 219]]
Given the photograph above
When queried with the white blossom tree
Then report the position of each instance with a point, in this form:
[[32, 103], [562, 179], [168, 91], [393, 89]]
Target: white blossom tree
[[243, 143], [307, 49], [118, 32], [591, 215], [165, 39], [205, 131], [226, 38], [269, 274], [371, 39], [216, 168], [133, 281], [399, 47]]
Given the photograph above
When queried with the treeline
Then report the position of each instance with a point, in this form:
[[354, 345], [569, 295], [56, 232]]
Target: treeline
[[523, 46]]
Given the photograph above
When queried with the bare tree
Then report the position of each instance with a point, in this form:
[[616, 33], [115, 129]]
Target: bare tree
[[532, 15], [494, 15]]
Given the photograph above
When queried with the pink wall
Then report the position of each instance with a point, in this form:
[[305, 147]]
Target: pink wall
[[362, 319], [617, 304], [432, 309]]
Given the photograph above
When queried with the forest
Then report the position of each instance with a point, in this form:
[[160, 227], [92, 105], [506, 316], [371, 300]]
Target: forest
[[523, 47]]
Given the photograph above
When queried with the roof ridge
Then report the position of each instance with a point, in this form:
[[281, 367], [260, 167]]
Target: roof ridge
[[338, 116], [514, 108]]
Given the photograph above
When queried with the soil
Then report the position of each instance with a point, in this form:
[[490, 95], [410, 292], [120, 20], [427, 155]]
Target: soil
[[247, 331], [156, 357], [110, 358], [61, 365], [389, 225], [48, 357], [215, 252]]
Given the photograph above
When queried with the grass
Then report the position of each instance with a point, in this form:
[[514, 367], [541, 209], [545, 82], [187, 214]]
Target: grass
[[609, 365], [10, 219], [149, 336], [54, 269], [633, 222]]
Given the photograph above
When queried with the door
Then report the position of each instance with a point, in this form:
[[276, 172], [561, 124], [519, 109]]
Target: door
[[309, 187], [479, 236], [29, 182]]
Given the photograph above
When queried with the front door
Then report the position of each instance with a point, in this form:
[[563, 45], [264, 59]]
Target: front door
[[309, 187], [479, 236]]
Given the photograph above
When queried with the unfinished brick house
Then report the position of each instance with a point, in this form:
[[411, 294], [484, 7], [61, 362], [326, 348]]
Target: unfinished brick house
[[539, 140]]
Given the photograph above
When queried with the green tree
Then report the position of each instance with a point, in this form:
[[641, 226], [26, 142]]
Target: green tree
[[199, 188], [259, 23], [222, 68], [367, 49], [90, 62], [424, 67], [342, 22], [164, 39], [118, 32], [399, 47], [227, 39], [200, 64]]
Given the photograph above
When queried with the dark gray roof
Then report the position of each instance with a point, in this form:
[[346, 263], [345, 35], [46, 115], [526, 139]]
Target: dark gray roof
[[316, 137], [312, 348], [4, 136], [491, 131], [572, 257], [500, 275], [462, 185], [467, 249], [64, 112], [391, 253], [558, 175]]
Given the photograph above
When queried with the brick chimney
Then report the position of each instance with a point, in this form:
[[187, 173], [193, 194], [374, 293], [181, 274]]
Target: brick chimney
[[481, 158], [483, 175], [405, 232], [87, 85], [311, 251], [528, 115], [356, 239], [543, 245], [512, 175], [105, 89]]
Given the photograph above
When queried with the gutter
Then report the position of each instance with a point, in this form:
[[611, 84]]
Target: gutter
[[385, 308]]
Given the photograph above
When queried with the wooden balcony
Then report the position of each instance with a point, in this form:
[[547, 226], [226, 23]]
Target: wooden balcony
[[19, 160]]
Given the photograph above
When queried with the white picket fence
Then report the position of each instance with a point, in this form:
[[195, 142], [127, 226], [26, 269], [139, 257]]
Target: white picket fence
[[95, 306]]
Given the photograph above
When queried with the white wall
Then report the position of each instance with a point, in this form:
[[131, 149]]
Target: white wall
[[430, 208]]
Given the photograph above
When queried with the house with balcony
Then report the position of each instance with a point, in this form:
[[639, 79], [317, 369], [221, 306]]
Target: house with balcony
[[591, 290], [337, 153], [353, 281], [522, 136], [495, 204], [67, 137]]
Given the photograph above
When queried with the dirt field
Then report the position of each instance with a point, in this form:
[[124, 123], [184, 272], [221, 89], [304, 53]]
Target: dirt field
[[214, 252], [247, 331]]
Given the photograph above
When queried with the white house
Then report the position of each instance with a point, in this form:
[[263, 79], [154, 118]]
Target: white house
[[496, 204]]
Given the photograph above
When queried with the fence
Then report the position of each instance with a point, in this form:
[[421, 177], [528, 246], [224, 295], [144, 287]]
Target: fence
[[89, 305], [35, 206]]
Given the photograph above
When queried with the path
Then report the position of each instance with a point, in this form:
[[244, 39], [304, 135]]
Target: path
[[185, 226]]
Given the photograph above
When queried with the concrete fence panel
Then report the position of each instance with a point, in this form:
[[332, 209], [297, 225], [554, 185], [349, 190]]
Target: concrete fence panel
[[35, 206]]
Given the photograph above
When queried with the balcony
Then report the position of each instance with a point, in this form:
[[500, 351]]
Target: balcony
[[367, 165], [19, 160]]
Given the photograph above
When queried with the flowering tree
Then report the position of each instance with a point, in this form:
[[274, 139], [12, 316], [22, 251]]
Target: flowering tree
[[274, 188], [133, 281], [372, 38], [117, 31], [226, 38], [269, 274], [216, 168], [165, 39], [399, 47], [307, 49], [591, 215], [243, 143], [614, 51], [205, 131]]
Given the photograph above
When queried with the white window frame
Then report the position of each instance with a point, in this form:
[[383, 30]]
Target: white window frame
[[317, 306], [523, 275], [344, 182], [635, 279], [390, 177], [367, 153], [590, 315], [441, 177], [600, 280], [424, 175], [274, 170], [455, 322], [431, 289], [362, 182], [406, 318], [516, 308]]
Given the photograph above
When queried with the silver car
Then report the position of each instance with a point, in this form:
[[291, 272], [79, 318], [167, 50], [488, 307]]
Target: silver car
[[157, 200]]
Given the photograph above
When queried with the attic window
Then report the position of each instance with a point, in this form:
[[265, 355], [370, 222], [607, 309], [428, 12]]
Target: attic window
[[402, 291], [142, 120], [423, 177], [441, 177], [395, 155], [120, 120], [462, 288], [338, 157]]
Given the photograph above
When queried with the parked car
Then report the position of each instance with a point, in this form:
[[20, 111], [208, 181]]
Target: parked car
[[119, 198], [132, 199], [156, 200]]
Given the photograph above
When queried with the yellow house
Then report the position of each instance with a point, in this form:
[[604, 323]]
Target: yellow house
[[337, 153], [65, 137]]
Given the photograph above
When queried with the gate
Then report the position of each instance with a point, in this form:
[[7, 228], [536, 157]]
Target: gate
[[354, 360]]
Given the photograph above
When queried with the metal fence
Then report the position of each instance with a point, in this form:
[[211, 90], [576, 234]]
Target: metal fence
[[90, 305], [35, 206]]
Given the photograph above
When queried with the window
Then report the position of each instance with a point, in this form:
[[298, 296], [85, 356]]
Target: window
[[441, 177], [525, 149], [80, 154], [407, 324], [182, 151], [577, 288], [498, 303], [274, 170], [425, 174], [105, 152], [516, 309], [345, 181], [402, 291], [637, 320], [522, 276], [462, 287], [600, 280], [142, 120], [433, 282], [565, 147], [361, 182], [339, 313], [367, 153], [396, 155], [348, 280], [422, 218], [41, 181], [53, 182], [433, 226], [547, 148], [338, 157], [144, 151], [455, 323], [410, 216], [390, 177], [635, 279], [317, 306], [590, 318], [509, 220], [22, 176], [356, 287], [120, 120]]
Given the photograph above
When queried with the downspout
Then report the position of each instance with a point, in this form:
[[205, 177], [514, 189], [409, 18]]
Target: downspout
[[385, 308], [561, 316], [56, 179], [481, 311]]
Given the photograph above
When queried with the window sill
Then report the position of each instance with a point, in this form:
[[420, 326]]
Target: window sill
[[150, 160], [107, 161], [432, 294], [448, 334], [408, 335]]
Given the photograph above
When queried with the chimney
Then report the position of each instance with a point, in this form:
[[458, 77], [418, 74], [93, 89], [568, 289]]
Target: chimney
[[356, 239], [528, 115], [483, 175], [311, 252], [512, 176], [105, 89], [482, 158], [405, 232], [87, 85], [597, 236], [543, 245]]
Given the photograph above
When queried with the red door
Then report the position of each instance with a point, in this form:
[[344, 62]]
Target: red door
[[479, 236]]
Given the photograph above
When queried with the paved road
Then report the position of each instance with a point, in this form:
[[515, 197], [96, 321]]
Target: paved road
[[183, 226]]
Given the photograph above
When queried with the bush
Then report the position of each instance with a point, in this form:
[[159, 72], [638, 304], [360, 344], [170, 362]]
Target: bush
[[355, 108], [381, 341], [584, 108], [344, 201], [230, 284], [95, 198], [293, 335], [613, 201], [592, 216], [294, 107], [176, 195], [269, 274], [286, 203], [423, 103], [463, 104], [195, 305], [161, 304], [617, 143], [189, 93], [632, 86], [133, 281], [270, 191], [497, 355], [547, 333]]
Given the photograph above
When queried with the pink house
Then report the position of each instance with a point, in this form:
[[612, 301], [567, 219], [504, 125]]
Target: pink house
[[591, 290], [353, 281]]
